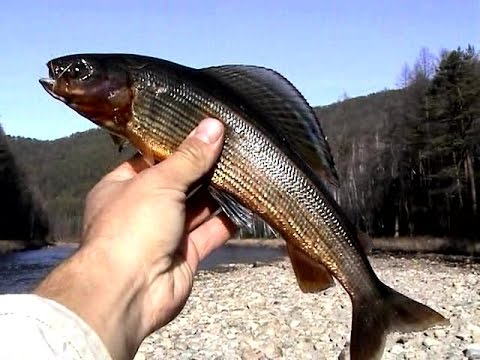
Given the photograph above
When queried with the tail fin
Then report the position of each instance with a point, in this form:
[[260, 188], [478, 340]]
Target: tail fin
[[373, 320]]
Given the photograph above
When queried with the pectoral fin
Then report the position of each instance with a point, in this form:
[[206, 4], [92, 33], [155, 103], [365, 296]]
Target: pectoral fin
[[311, 276], [118, 141], [240, 215]]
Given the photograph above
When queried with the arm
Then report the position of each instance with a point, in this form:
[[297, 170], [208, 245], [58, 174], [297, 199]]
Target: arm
[[142, 244]]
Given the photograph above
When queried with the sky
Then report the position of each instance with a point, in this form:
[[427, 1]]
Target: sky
[[326, 48]]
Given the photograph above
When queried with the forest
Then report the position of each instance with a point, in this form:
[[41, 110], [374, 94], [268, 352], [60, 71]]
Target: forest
[[22, 216], [408, 159]]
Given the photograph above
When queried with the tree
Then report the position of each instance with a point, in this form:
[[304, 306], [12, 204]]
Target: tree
[[455, 106], [21, 215]]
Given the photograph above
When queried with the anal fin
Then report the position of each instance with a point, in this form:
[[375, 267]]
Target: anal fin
[[311, 276]]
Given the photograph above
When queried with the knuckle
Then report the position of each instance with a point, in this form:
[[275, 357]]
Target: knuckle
[[193, 153]]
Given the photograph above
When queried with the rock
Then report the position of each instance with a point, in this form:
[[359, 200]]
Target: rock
[[345, 353], [257, 301], [475, 332], [251, 354], [231, 336], [430, 342], [397, 349], [272, 350], [294, 324], [335, 337], [139, 356], [439, 334], [463, 336], [473, 328], [472, 352], [305, 346]]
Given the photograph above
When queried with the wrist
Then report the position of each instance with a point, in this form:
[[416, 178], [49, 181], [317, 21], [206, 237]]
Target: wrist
[[104, 292]]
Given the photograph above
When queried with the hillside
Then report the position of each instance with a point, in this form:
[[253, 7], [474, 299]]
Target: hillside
[[23, 221], [62, 172]]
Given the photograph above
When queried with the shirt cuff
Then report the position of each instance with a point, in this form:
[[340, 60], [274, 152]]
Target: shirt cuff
[[32, 327]]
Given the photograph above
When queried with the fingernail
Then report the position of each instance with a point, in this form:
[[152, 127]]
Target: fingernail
[[209, 130]]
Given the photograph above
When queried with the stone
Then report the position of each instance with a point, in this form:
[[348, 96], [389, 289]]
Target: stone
[[294, 323], [475, 332], [272, 350], [397, 349], [430, 342], [472, 352], [139, 356], [251, 354], [462, 336]]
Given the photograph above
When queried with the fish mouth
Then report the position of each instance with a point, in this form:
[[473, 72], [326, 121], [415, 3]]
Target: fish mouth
[[49, 86]]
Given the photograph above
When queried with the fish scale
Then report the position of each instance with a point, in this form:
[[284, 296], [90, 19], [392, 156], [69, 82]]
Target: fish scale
[[275, 165]]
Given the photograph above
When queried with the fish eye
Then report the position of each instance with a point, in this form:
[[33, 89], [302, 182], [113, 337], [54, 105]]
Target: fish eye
[[78, 70]]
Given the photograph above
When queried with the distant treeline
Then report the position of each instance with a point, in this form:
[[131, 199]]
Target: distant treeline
[[21, 215], [63, 171], [408, 159]]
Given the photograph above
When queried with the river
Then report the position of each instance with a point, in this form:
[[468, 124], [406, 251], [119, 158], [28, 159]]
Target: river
[[21, 271]]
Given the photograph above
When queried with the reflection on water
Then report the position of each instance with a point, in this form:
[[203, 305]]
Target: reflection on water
[[20, 272]]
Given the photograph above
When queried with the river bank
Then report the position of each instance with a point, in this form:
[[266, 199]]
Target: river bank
[[258, 312], [407, 245], [419, 245]]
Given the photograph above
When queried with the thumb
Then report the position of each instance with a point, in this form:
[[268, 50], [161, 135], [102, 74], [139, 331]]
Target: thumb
[[194, 157]]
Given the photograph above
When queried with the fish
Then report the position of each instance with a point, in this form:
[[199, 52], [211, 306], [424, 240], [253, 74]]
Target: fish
[[276, 166]]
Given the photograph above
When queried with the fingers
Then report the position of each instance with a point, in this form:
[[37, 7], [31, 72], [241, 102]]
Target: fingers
[[208, 237], [199, 208], [128, 169], [193, 158]]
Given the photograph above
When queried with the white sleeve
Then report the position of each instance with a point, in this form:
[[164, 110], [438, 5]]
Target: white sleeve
[[32, 327]]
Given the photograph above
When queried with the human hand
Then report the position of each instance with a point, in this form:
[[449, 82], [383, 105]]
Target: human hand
[[143, 241]]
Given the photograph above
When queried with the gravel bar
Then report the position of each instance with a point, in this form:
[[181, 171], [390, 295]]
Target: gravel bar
[[258, 312]]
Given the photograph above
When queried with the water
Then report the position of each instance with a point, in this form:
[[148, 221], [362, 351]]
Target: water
[[20, 272]]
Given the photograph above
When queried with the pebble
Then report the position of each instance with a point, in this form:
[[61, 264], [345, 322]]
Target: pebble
[[475, 332], [139, 356], [429, 342], [472, 352], [272, 351], [463, 336], [240, 313], [294, 324], [397, 349]]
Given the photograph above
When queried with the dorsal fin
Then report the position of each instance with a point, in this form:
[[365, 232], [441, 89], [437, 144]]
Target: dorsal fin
[[285, 108]]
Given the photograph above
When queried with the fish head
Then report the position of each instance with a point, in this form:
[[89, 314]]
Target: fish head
[[95, 86]]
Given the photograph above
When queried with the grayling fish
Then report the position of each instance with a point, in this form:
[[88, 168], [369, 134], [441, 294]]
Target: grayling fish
[[275, 165]]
